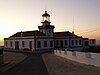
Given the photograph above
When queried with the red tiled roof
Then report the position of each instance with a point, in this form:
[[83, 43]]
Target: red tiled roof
[[38, 33], [66, 33], [28, 33]]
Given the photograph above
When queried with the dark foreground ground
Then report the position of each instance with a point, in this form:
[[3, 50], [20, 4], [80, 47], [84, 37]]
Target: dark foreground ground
[[44, 64], [32, 65]]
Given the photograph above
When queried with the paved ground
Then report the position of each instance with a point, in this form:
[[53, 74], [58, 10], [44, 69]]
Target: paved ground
[[10, 60], [32, 65], [60, 66]]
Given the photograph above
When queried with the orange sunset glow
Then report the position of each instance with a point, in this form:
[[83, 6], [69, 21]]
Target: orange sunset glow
[[25, 15]]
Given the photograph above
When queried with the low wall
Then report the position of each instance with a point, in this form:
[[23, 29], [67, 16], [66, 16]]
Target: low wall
[[86, 58], [1, 56], [1, 59]]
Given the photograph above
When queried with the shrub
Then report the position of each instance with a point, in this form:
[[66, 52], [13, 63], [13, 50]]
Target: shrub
[[94, 49]]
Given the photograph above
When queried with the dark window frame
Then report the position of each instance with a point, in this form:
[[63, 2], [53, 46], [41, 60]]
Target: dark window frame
[[61, 43], [51, 43], [11, 43], [86, 43], [38, 44], [45, 43], [72, 42], [93, 41], [49, 31], [23, 43], [76, 42], [80, 42], [57, 42], [66, 42], [30, 44]]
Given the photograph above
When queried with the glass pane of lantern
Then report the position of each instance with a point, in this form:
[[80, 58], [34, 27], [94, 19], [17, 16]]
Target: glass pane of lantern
[[46, 18]]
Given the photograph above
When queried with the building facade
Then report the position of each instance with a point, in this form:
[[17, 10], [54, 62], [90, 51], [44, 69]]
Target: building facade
[[46, 39]]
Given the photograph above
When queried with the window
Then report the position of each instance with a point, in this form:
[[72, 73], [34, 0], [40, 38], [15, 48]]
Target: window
[[86, 43], [38, 44], [65, 42], [30, 45], [93, 41], [23, 44], [6, 43], [49, 31], [72, 42], [11, 43], [76, 42], [61, 42], [80, 42], [57, 42], [45, 43], [51, 43]]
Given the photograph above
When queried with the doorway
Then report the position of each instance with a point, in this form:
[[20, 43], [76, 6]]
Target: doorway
[[16, 45], [30, 45]]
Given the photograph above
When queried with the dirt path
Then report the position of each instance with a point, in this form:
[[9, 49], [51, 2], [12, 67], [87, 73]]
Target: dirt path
[[60, 66]]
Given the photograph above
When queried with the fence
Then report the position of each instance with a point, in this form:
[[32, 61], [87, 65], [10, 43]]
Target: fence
[[86, 58]]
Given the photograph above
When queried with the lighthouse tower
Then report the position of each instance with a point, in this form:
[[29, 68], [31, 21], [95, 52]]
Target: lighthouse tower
[[46, 28]]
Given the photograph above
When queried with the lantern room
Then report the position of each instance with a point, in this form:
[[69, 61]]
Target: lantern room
[[45, 17]]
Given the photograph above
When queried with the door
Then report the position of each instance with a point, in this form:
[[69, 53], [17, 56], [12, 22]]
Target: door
[[16, 45], [30, 45]]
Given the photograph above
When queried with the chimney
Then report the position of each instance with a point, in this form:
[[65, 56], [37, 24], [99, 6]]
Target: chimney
[[73, 33]]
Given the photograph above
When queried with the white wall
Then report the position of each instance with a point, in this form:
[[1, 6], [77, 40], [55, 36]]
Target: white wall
[[46, 32], [86, 58], [69, 40], [26, 41], [74, 42], [59, 39], [42, 44]]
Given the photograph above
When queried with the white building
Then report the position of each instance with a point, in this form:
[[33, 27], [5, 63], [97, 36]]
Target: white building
[[46, 39]]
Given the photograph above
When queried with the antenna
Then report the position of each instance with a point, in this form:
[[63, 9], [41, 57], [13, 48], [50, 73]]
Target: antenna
[[73, 24], [45, 8]]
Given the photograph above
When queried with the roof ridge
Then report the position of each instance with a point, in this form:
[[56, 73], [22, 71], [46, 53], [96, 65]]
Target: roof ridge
[[30, 31], [62, 31]]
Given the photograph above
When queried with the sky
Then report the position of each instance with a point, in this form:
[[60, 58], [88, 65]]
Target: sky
[[26, 15]]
